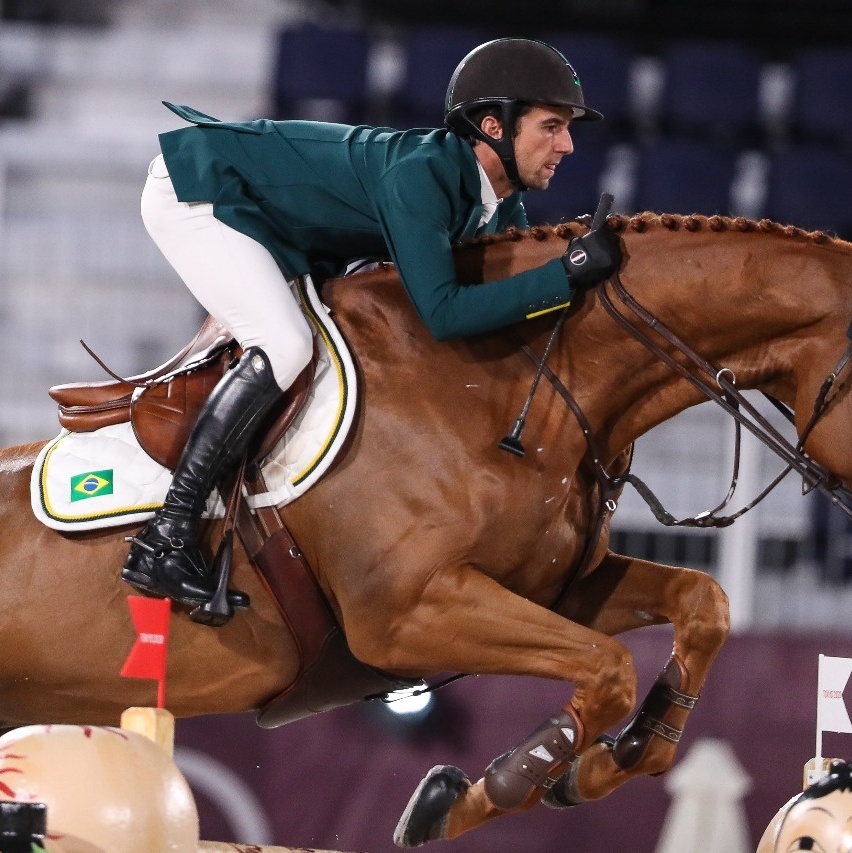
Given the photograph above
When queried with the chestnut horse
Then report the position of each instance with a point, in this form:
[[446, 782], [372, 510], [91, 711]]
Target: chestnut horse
[[440, 552]]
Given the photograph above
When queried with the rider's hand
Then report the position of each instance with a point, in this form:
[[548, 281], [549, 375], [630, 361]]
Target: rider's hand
[[592, 257]]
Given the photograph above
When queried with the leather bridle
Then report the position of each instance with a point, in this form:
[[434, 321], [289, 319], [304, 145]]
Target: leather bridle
[[717, 384]]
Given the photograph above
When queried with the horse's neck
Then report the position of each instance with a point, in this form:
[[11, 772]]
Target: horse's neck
[[758, 304], [762, 304]]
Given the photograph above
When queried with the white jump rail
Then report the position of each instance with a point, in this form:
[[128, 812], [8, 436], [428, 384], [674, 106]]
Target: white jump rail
[[227, 847]]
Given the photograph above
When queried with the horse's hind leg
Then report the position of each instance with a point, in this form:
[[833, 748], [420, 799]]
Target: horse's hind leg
[[622, 594]]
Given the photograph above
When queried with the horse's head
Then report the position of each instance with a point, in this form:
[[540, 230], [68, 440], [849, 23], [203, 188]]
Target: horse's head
[[770, 303]]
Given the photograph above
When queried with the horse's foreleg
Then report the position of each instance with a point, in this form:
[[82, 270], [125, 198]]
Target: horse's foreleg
[[624, 593], [488, 629], [446, 804]]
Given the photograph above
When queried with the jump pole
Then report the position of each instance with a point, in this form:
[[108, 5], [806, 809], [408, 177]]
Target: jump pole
[[227, 847]]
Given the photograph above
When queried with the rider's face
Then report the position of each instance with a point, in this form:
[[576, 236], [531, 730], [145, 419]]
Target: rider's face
[[542, 140]]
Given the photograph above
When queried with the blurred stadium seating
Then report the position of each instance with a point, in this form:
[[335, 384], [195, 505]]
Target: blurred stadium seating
[[684, 176], [810, 185], [430, 54], [822, 100], [320, 73]]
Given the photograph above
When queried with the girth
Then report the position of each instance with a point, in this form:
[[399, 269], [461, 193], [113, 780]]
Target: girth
[[329, 675]]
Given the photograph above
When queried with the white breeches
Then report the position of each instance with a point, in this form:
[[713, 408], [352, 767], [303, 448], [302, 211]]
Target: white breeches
[[234, 277]]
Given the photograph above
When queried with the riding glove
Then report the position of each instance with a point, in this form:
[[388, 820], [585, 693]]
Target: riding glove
[[592, 257]]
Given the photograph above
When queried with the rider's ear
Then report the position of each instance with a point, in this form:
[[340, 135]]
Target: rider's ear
[[492, 126]]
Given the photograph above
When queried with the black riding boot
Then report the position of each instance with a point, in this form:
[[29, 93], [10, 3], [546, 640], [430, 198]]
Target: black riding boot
[[165, 558]]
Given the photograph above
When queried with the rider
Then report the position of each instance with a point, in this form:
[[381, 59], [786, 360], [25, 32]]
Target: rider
[[242, 209]]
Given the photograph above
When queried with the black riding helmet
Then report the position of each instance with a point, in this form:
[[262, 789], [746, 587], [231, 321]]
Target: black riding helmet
[[505, 73]]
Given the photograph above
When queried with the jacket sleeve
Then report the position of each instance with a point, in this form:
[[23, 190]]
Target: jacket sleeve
[[419, 207]]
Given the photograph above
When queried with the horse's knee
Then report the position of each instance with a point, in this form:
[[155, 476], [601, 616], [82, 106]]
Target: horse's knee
[[709, 621], [608, 693]]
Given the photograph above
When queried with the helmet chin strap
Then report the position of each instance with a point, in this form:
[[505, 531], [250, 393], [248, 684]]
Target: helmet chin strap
[[504, 147]]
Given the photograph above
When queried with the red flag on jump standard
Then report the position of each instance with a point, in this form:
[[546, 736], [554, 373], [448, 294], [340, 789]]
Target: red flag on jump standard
[[147, 658]]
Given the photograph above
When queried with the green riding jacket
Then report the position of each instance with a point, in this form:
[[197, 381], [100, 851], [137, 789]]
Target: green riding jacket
[[318, 195]]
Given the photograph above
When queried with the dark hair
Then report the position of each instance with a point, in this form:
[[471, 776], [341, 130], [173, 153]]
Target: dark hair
[[839, 778]]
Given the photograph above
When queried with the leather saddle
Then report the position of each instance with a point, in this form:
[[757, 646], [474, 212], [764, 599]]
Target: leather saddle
[[164, 411], [162, 415]]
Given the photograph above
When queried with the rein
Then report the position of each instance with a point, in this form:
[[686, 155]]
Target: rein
[[719, 385], [610, 487], [716, 384]]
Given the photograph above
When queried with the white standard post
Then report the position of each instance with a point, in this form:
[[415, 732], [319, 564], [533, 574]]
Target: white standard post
[[737, 562], [707, 812], [832, 677], [817, 768]]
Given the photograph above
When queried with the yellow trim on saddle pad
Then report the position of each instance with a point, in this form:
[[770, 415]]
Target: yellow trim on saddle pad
[[309, 447], [84, 481]]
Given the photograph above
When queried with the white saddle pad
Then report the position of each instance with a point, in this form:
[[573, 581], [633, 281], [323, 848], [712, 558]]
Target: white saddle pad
[[88, 480]]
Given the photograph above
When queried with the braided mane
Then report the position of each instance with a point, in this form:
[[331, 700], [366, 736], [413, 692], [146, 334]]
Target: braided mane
[[646, 221], [639, 223]]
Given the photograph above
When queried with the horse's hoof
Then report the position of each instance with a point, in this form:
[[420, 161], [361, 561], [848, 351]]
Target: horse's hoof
[[425, 817], [564, 793]]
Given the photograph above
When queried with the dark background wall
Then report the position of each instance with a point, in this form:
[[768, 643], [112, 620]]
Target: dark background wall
[[774, 24]]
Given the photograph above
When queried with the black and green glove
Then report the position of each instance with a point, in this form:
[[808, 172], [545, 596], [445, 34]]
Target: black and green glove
[[592, 257]]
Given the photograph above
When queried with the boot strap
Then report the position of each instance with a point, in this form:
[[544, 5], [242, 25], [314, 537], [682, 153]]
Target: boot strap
[[158, 553]]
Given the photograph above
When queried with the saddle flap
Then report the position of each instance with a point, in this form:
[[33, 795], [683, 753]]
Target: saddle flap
[[164, 413]]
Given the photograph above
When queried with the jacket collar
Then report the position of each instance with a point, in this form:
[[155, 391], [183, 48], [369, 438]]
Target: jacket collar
[[471, 189]]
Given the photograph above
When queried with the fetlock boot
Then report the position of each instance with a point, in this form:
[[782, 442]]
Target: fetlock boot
[[165, 558]]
